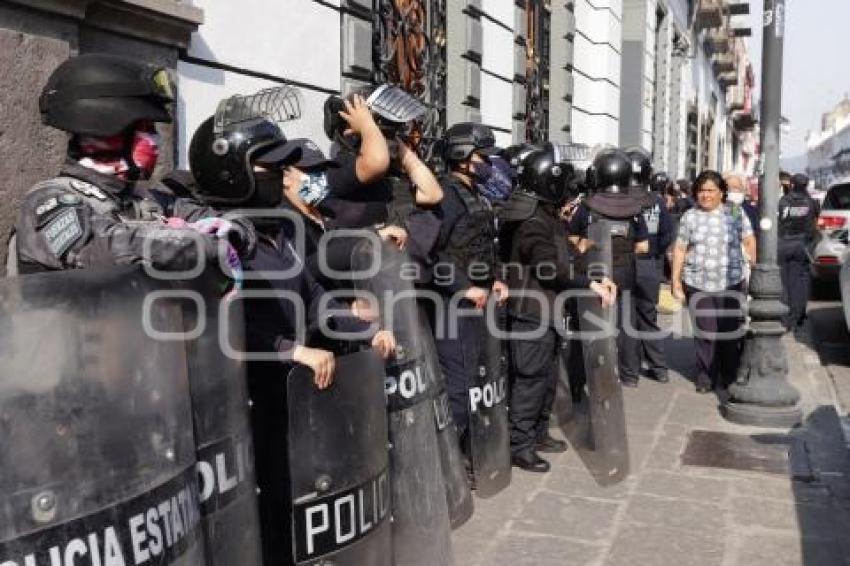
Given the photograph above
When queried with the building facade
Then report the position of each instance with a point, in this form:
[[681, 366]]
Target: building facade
[[828, 150], [670, 76]]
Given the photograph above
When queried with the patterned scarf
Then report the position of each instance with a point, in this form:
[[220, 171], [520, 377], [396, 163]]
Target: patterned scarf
[[107, 155]]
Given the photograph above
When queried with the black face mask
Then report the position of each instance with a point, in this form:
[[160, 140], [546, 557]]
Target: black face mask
[[268, 189]]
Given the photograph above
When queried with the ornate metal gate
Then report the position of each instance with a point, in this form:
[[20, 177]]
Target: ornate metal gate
[[410, 51], [537, 70]]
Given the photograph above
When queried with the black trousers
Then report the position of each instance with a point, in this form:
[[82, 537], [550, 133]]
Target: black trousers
[[796, 279], [647, 285], [628, 346], [459, 361], [718, 352], [576, 371], [533, 384]]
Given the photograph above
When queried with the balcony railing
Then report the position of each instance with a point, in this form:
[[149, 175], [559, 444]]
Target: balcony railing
[[709, 14], [723, 63], [727, 79], [744, 121], [718, 40], [737, 97]]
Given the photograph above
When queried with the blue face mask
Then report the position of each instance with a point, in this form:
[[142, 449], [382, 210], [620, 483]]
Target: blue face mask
[[314, 188], [493, 181]]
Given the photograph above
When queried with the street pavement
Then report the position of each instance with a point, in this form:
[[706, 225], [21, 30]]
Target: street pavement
[[794, 511]]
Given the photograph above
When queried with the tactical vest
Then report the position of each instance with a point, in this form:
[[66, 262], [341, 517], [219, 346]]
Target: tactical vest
[[622, 240], [795, 218], [474, 239]]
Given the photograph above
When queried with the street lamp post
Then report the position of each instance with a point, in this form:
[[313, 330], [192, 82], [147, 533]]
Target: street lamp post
[[762, 395]]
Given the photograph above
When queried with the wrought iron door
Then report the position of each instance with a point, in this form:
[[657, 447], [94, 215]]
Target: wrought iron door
[[410, 51], [537, 70]]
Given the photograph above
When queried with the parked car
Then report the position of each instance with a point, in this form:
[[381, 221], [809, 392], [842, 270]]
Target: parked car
[[827, 252], [844, 287]]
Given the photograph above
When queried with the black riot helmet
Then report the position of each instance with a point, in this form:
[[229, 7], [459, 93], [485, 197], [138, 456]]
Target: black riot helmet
[[103, 95], [659, 182], [392, 108], [226, 146], [800, 182], [514, 154], [610, 173], [641, 166], [464, 138], [543, 174]]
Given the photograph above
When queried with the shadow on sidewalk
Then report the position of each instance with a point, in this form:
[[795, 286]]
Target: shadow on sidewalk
[[820, 479], [606, 467], [680, 357]]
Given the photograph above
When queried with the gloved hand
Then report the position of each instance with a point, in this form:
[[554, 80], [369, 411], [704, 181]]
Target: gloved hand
[[235, 266], [219, 227]]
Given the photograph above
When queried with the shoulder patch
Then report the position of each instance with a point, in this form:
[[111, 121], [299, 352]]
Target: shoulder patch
[[62, 232], [46, 206], [69, 199]]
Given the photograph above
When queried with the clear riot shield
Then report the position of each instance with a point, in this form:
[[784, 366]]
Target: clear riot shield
[[421, 528], [488, 417], [338, 465], [610, 459], [96, 444], [227, 487]]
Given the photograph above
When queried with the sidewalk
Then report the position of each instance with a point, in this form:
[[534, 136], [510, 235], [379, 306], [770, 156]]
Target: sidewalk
[[670, 513]]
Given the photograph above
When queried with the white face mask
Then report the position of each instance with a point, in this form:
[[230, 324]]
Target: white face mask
[[735, 198]]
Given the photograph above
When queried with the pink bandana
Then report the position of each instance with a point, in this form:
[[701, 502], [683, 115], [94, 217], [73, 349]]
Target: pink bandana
[[106, 154]]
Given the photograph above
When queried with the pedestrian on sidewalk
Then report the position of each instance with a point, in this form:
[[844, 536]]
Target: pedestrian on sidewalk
[[708, 270], [737, 199]]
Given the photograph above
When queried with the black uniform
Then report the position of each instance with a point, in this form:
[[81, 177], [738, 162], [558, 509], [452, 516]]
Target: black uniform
[[272, 325], [538, 242], [84, 219], [798, 214], [626, 232], [649, 268], [466, 257], [351, 203]]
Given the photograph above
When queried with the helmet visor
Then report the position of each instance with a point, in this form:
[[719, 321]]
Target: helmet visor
[[278, 105], [395, 105]]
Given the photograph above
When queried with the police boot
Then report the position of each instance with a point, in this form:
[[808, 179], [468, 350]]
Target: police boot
[[550, 445], [530, 461]]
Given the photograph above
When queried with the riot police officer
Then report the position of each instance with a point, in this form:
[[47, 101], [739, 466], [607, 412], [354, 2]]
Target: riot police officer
[[534, 237], [466, 266], [798, 214], [81, 218], [641, 175], [237, 163], [610, 178], [649, 265]]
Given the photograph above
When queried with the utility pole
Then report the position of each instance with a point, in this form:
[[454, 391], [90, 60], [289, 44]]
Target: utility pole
[[762, 395]]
